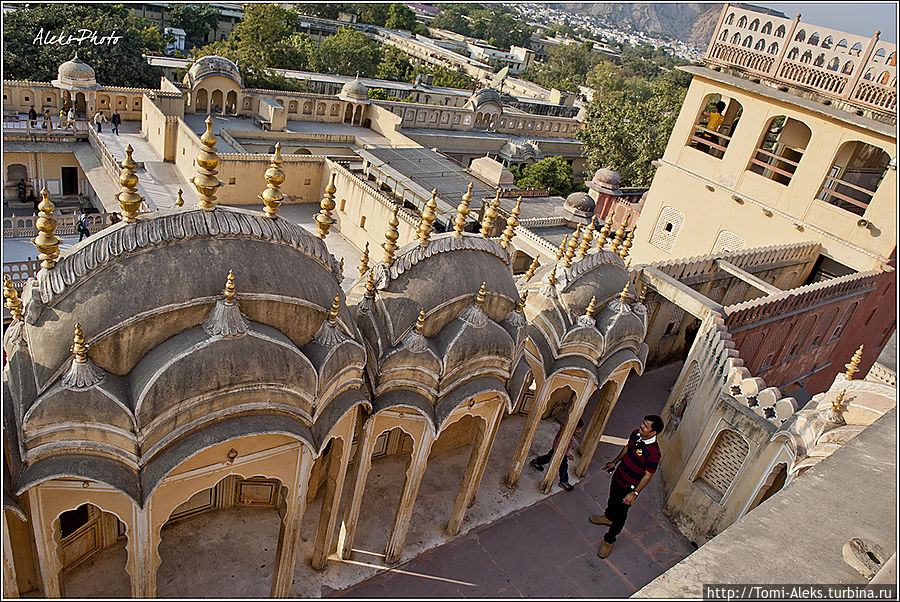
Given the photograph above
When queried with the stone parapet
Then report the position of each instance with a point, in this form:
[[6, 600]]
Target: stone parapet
[[749, 260]]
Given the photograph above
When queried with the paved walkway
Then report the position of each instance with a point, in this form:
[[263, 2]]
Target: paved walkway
[[549, 549]]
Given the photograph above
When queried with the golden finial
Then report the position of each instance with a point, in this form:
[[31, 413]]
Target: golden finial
[[511, 222], [490, 216], [229, 288], [428, 217], [521, 304], [324, 221], [573, 244], [853, 366], [551, 277], [620, 235], [604, 232], [179, 202], [392, 234], [370, 285], [420, 322], [562, 247], [46, 241], [643, 294], [364, 262], [587, 239], [624, 291], [13, 303], [479, 298], [462, 210], [591, 307], [626, 245], [341, 267], [837, 405], [129, 199], [78, 346], [335, 308], [206, 181], [531, 269], [628, 264], [272, 196]]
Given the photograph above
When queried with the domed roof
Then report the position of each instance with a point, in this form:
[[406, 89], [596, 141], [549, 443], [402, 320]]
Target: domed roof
[[580, 201], [75, 75], [605, 180], [484, 96], [207, 66], [355, 91]]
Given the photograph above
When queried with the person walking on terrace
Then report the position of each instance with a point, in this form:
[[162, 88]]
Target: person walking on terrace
[[32, 116], [538, 463], [115, 121], [99, 119], [634, 467]]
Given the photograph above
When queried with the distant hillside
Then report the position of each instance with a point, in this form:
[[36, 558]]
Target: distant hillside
[[688, 22]]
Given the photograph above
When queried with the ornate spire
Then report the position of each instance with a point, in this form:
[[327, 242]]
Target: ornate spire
[[620, 235], [521, 304], [587, 239], [391, 235], [624, 293], [587, 319], [573, 245], [549, 288], [562, 247], [206, 181], [46, 241], [272, 196], [420, 322], [511, 222], [364, 262], [179, 202], [335, 309], [604, 232], [229, 288], [591, 307], [13, 303], [836, 414], [490, 216], [324, 221], [853, 366], [642, 295], [82, 373], [626, 245], [428, 217], [531, 269], [368, 300], [462, 210], [479, 298], [129, 199], [341, 267]]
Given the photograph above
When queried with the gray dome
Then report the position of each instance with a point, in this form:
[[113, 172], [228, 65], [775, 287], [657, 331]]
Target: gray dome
[[76, 70], [355, 91], [208, 66], [580, 201], [606, 178]]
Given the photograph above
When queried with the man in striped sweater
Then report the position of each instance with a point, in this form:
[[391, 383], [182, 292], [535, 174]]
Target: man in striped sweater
[[634, 466]]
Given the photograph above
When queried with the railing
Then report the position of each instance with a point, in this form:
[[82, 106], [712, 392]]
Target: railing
[[20, 271], [542, 222], [107, 160], [769, 165], [21, 126], [708, 143], [25, 226], [881, 374], [833, 197], [534, 238], [513, 193]]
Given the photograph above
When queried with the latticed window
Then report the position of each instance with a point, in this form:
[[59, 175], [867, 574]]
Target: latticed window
[[667, 227], [727, 241], [723, 463]]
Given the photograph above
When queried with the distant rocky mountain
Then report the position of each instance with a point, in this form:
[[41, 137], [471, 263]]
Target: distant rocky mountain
[[689, 22]]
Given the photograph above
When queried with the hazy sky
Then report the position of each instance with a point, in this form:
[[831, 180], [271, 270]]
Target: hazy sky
[[861, 18]]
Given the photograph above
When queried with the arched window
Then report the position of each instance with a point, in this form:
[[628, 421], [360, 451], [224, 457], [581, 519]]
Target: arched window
[[879, 55], [728, 241], [767, 28], [686, 395], [814, 39], [754, 26], [773, 48], [780, 149], [827, 42], [820, 60], [713, 130], [885, 77], [729, 19], [736, 38], [856, 49], [801, 35], [760, 45], [892, 60], [724, 36], [854, 176], [870, 73], [842, 45], [807, 57], [848, 68], [742, 22], [779, 33], [723, 463], [833, 64], [748, 41], [793, 53]]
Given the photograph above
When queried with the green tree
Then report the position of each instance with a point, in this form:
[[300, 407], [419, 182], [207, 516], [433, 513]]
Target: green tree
[[452, 20], [378, 94], [395, 65], [195, 19], [499, 28], [325, 10], [348, 52], [566, 66], [626, 130], [373, 14], [552, 173], [306, 55], [119, 64], [401, 17], [446, 78]]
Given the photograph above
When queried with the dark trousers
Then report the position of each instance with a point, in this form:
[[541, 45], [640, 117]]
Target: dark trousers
[[563, 466], [83, 234], [616, 511], [99, 127], [116, 128]]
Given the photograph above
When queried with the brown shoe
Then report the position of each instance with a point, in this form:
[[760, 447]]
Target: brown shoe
[[604, 550], [600, 519]]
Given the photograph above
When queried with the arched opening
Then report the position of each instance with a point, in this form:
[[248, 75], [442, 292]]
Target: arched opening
[[348, 114], [80, 105], [217, 101], [202, 103], [391, 457], [772, 485], [854, 176], [715, 125], [231, 102], [220, 536], [780, 149], [90, 545]]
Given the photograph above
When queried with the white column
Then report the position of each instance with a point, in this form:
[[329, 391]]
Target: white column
[[334, 485], [143, 552], [527, 436], [10, 584], [45, 544], [408, 499], [565, 436], [289, 533], [608, 397], [363, 464]]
